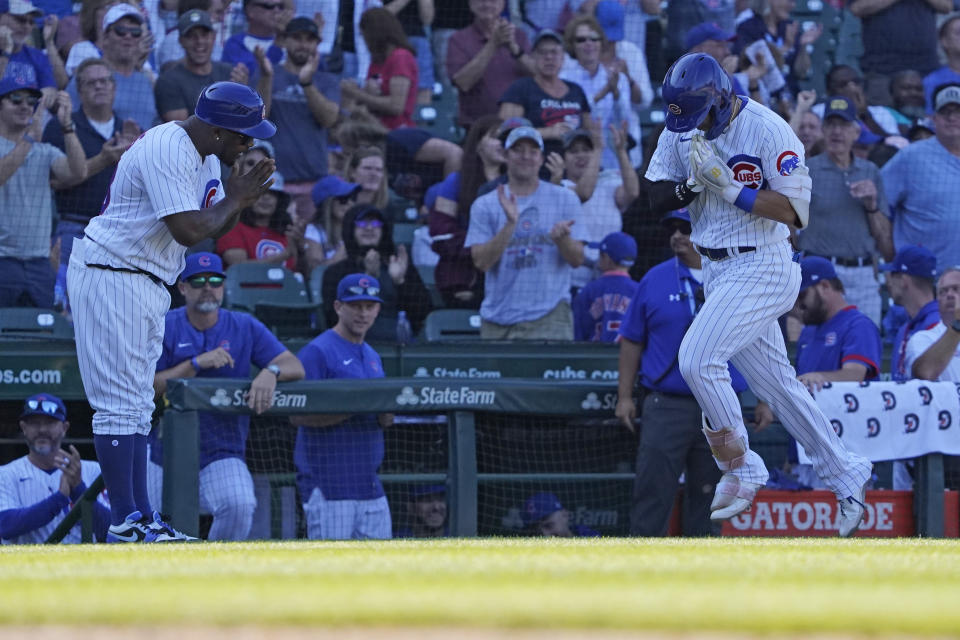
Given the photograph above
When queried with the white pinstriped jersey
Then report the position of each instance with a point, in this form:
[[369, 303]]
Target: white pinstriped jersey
[[160, 175], [763, 152], [22, 484]]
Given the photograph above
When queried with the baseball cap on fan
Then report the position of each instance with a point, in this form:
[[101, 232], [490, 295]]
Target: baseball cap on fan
[[121, 11], [706, 31], [202, 262], [840, 107], [358, 286], [523, 133], [913, 260], [620, 246], [19, 8], [610, 17], [16, 82], [814, 270], [948, 94], [194, 18]]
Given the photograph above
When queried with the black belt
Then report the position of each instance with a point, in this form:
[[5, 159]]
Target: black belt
[[107, 267], [865, 261], [722, 254]]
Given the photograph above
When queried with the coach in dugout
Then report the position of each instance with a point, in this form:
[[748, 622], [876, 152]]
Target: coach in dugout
[[201, 339], [37, 490], [338, 455]]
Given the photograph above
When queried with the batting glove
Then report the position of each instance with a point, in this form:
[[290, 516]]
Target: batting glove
[[712, 172]]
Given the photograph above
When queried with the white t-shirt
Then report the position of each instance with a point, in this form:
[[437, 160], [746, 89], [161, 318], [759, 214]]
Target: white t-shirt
[[918, 344], [160, 175], [600, 218]]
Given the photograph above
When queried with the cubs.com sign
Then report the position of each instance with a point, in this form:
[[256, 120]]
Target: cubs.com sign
[[889, 514]]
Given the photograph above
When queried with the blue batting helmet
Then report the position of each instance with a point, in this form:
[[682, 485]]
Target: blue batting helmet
[[235, 107], [696, 86]]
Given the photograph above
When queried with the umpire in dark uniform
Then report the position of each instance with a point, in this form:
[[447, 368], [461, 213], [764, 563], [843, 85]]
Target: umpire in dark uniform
[[671, 442]]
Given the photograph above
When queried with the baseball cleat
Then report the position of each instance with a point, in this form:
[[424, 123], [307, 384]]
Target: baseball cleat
[[132, 529], [163, 532], [851, 513], [733, 496]]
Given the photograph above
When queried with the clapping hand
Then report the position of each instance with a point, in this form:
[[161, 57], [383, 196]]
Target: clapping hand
[[371, 263], [240, 74], [556, 167], [397, 265], [307, 70], [72, 470], [509, 204], [561, 230], [246, 188]]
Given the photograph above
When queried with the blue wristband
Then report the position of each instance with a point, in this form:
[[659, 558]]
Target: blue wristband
[[746, 199], [196, 365]]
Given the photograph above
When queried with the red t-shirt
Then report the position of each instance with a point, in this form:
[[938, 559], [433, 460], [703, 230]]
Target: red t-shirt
[[401, 63], [258, 242]]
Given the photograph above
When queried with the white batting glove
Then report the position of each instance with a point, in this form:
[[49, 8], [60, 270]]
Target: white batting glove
[[712, 172]]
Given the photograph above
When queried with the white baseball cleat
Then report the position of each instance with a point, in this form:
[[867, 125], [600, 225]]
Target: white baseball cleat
[[851, 513], [733, 496]]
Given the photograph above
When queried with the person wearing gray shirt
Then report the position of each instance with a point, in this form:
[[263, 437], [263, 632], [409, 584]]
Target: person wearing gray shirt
[[848, 210], [527, 237]]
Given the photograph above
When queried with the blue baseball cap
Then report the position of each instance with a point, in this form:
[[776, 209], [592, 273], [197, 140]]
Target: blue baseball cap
[[17, 82], [609, 14], [620, 246], [358, 286], [678, 214], [546, 34], [841, 107], [913, 260], [422, 490], [332, 187], [523, 133], [815, 269], [202, 262], [510, 124], [706, 31], [539, 506], [44, 404]]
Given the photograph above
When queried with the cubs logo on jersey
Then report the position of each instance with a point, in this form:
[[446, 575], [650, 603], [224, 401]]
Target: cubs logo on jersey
[[787, 162], [209, 192], [267, 248], [747, 170]]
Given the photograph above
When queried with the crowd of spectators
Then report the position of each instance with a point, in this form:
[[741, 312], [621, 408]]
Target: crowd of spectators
[[539, 91]]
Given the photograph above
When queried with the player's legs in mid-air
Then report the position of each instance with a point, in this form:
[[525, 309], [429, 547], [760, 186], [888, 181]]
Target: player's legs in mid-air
[[738, 322]]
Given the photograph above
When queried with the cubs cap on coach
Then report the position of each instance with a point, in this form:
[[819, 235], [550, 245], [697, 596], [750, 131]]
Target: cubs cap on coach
[[913, 260], [202, 262], [539, 506], [235, 107], [814, 270], [620, 246], [358, 286], [44, 404]]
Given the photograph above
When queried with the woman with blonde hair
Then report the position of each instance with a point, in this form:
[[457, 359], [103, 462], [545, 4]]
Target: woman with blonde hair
[[367, 167]]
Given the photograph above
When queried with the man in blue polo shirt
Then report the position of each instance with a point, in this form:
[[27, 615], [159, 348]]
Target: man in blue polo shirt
[[337, 456], [599, 307], [838, 343], [911, 285], [671, 442], [201, 339]]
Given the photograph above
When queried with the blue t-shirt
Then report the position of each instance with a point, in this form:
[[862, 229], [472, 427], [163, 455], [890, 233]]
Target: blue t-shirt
[[599, 308], [239, 48], [849, 336], [300, 141], [247, 340], [31, 66], [658, 317], [342, 460], [927, 318]]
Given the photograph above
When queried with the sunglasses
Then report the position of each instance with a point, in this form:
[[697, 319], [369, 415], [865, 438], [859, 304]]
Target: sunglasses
[[269, 6], [369, 224], [47, 406], [136, 32], [683, 228], [197, 282], [582, 39], [364, 291], [19, 98]]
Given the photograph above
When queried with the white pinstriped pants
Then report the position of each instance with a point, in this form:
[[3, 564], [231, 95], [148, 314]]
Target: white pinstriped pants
[[119, 321], [738, 322], [347, 519]]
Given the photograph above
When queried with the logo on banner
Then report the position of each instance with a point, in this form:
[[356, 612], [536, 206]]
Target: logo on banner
[[926, 396], [407, 396], [945, 419], [837, 427], [912, 422], [220, 398], [852, 403], [591, 402], [889, 400], [873, 427]]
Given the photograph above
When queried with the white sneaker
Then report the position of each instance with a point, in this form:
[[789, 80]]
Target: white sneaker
[[851, 513], [732, 497], [163, 532]]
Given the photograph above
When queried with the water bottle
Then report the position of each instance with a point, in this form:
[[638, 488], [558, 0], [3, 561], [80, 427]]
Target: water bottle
[[404, 331]]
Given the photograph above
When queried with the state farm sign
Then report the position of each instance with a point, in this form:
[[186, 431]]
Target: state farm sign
[[816, 513]]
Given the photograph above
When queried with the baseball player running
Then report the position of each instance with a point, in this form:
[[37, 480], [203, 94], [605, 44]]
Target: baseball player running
[[166, 195], [738, 168]]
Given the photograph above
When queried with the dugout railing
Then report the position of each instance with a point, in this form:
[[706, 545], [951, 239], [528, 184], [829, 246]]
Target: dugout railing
[[463, 403]]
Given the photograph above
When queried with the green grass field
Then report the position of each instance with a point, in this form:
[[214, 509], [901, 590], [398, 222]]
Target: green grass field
[[759, 586]]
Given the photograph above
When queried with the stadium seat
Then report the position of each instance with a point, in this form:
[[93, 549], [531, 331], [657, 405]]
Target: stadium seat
[[30, 322], [275, 296], [452, 324], [403, 233]]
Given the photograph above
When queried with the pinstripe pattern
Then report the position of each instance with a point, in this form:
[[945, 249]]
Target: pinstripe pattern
[[746, 294], [347, 519], [118, 320]]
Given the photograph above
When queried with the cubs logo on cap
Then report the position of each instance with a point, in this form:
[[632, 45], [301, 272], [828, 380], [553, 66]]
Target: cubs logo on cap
[[202, 262], [674, 109], [358, 286]]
